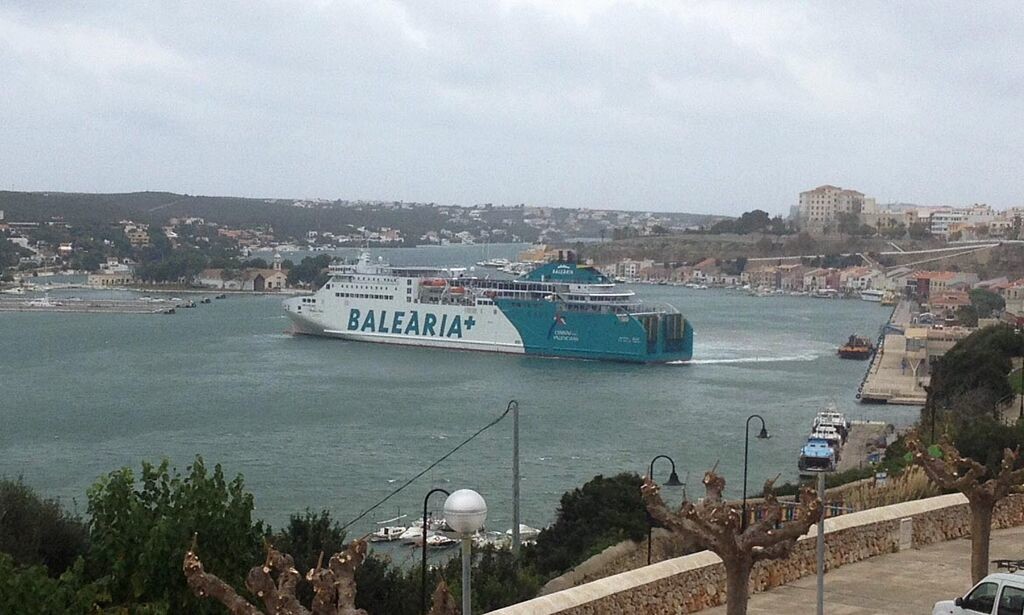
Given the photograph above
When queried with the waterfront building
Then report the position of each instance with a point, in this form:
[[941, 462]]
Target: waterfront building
[[791, 277], [925, 283], [254, 280], [819, 209], [821, 278], [630, 269], [859, 278]]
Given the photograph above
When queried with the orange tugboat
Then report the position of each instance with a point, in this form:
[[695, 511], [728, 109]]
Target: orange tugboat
[[856, 347]]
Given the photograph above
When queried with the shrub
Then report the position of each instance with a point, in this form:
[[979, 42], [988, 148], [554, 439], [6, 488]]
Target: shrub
[[38, 532]]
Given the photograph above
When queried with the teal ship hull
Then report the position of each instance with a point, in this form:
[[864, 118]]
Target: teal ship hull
[[601, 336]]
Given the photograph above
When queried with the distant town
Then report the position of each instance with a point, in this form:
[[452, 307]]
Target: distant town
[[835, 241]]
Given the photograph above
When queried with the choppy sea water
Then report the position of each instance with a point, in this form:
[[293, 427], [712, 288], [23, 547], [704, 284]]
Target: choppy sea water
[[330, 424]]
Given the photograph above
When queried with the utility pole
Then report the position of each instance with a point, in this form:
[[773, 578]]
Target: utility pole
[[514, 405]]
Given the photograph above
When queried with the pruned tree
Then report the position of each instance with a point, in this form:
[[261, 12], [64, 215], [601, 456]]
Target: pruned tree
[[716, 525], [274, 583], [442, 601], [953, 472]]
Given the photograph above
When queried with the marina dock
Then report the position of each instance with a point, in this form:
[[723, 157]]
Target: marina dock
[[895, 374], [89, 306]]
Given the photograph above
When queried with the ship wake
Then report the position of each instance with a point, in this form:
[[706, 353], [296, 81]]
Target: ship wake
[[740, 360]]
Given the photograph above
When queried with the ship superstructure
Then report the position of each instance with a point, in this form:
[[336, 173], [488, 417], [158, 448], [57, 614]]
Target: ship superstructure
[[560, 309]]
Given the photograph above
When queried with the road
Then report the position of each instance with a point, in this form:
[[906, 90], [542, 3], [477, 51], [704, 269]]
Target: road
[[910, 581]]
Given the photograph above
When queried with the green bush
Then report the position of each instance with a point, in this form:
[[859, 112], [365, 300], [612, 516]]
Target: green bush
[[140, 531], [30, 589], [604, 512], [38, 532]]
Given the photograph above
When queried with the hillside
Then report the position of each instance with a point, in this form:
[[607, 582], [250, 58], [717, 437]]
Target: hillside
[[294, 218]]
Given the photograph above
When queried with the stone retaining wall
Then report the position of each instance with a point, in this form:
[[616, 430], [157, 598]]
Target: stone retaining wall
[[694, 582]]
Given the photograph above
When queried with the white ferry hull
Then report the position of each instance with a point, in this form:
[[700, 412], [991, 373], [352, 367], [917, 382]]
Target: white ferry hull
[[490, 331]]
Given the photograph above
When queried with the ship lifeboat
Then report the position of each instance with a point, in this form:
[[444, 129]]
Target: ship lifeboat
[[457, 290], [434, 282]]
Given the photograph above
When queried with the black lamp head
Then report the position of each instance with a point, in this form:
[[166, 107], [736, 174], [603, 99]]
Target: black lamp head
[[764, 433], [673, 480]]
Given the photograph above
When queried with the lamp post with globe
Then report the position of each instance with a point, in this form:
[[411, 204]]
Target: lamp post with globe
[[465, 511]]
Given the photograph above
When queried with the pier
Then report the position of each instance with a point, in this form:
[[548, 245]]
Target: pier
[[866, 439], [90, 306], [896, 374]]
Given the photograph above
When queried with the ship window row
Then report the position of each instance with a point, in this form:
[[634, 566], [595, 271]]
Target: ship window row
[[364, 296], [366, 287]]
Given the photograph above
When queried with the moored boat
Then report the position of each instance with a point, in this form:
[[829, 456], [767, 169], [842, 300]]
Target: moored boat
[[856, 347], [872, 294]]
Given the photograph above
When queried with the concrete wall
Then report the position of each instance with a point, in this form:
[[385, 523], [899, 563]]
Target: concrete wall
[[693, 582]]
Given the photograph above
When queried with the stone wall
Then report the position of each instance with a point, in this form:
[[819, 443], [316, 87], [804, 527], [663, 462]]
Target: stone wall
[[694, 582], [626, 555]]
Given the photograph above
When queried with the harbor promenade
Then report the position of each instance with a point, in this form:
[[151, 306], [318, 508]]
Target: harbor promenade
[[894, 375], [909, 581]]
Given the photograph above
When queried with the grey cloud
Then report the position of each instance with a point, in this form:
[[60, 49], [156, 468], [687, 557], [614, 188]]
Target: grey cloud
[[715, 107]]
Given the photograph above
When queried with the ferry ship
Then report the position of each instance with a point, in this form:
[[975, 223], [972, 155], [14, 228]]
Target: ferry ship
[[559, 309]]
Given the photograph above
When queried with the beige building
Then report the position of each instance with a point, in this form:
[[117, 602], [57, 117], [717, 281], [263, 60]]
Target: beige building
[[108, 279], [137, 234], [819, 208], [256, 280]]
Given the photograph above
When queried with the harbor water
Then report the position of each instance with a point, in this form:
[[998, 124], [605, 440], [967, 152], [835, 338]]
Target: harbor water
[[323, 423]]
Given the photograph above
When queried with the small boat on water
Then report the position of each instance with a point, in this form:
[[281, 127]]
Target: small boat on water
[[832, 417], [412, 536], [828, 433], [440, 541], [817, 456], [526, 533], [387, 533], [872, 294], [857, 347]]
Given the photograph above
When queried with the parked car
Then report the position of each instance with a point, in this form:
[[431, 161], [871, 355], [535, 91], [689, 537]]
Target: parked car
[[996, 594]]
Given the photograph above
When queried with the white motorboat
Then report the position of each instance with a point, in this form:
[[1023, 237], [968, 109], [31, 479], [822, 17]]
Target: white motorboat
[[412, 535], [388, 533], [525, 532], [440, 541], [872, 294]]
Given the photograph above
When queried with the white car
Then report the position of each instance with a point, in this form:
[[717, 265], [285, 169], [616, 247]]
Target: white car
[[996, 594]]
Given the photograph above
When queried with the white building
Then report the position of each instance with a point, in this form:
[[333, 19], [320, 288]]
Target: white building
[[942, 220]]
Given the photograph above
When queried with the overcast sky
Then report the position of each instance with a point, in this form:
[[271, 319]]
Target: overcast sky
[[707, 107]]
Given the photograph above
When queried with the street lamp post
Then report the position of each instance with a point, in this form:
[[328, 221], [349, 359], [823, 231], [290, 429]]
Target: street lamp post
[[465, 511], [673, 481], [423, 567], [763, 435]]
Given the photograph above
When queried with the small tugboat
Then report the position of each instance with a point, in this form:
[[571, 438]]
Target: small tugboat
[[856, 347]]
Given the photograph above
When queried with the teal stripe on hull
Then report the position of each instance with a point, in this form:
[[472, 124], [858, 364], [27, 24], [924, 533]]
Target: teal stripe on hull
[[593, 335]]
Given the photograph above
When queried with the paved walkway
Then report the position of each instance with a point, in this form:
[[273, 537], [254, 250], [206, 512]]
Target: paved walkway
[[906, 582]]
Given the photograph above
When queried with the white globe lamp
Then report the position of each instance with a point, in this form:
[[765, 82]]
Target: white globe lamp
[[465, 511]]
